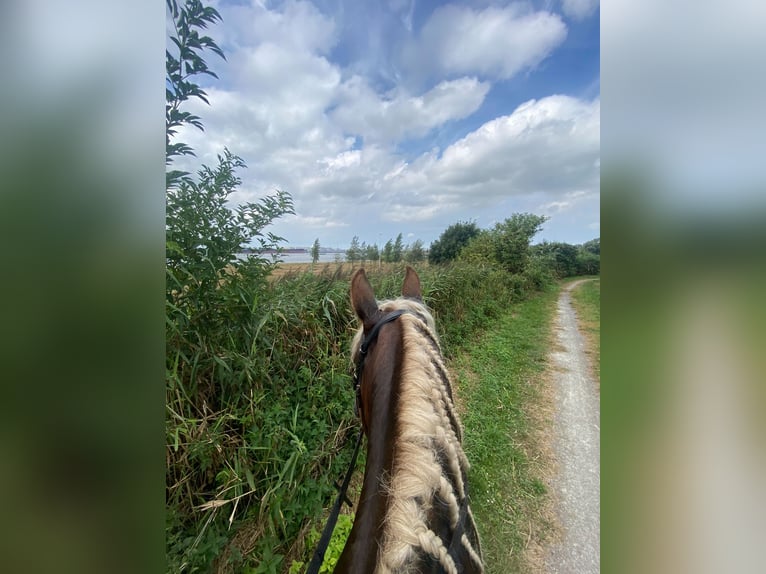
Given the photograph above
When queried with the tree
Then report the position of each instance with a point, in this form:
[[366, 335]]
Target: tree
[[512, 237], [315, 251], [398, 249], [589, 257], [373, 254], [593, 246], [560, 257], [451, 241], [353, 253], [203, 235], [480, 249], [179, 70], [388, 252], [416, 253], [588, 263]]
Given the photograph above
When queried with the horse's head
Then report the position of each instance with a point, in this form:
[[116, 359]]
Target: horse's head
[[413, 513], [366, 305], [376, 348]]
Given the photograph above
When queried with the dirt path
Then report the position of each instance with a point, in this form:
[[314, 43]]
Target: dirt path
[[576, 442]]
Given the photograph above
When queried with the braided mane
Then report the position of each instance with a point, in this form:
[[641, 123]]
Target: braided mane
[[414, 515]]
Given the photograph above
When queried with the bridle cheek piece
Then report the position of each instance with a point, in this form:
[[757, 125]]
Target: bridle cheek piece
[[363, 348]]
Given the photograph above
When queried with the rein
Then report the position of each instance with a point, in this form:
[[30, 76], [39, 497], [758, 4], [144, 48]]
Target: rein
[[324, 541]]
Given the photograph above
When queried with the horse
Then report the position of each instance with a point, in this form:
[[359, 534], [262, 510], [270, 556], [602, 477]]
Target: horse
[[413, 514]]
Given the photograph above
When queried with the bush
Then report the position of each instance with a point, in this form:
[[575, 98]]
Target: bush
[[451, 241]]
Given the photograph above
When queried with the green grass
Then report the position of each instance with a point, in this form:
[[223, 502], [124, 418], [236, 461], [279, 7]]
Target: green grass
[[499, 380], [586, 298]]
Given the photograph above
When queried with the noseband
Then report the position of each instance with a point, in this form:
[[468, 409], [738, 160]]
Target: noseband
[[363, 348]]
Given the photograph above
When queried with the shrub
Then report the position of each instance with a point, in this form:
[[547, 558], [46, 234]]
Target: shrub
[[451, 241]]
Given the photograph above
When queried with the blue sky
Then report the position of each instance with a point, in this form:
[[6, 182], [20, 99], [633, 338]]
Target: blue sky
[[405, 116]]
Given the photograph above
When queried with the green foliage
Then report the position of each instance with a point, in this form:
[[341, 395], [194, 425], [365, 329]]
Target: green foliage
[[538, 275], [566, 260], [388, 252], [588, 263], [269, 564], [507, 246], [256, 405], [535, 267], [334, 549], [512, 237], [561, 257], [182, 64], [203, 235], [315, 251], [593, 246], [415, 253], [589, 257], [354, 252], [481, 249], [451, 241], [397, 250], [372, 253]]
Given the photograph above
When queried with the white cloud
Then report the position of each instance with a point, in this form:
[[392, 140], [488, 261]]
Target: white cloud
[[298, 26], [307, 124], [362, 111], [567, 202], [494, 42], [579, 9], [547, 145]]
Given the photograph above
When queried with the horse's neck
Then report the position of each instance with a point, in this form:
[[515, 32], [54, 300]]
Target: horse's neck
[[360, 553]]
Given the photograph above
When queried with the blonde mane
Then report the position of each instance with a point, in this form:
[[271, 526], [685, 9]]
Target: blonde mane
[[429, 463]]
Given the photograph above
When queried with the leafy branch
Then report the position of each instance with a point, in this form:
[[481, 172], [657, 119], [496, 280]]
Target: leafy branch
[[180, 70]]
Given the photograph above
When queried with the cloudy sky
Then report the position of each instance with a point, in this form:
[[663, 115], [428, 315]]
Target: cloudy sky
[[405, 116]]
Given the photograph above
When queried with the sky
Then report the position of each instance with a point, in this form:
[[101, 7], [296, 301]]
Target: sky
[[400, 116]]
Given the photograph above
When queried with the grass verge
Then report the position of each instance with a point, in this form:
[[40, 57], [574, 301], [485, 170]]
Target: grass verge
[[500, 383], [586, 299]]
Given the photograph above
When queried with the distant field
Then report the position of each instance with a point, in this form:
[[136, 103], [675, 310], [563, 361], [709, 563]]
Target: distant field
[[316, 268], [330, 268]]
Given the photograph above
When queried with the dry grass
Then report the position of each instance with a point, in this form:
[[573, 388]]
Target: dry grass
[[586, 299], [339, 269]]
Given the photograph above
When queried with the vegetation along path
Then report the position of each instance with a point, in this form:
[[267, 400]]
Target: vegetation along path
[[505, 408], [576, 484]]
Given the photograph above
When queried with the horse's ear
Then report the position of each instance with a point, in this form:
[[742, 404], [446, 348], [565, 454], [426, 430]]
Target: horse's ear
[[411, 285], [363, 299]]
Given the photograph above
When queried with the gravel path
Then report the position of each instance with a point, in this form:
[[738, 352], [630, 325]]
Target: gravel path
[[576, 428]]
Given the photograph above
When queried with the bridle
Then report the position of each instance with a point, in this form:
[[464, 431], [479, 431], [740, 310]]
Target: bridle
[[363, 348]]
